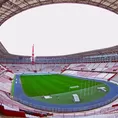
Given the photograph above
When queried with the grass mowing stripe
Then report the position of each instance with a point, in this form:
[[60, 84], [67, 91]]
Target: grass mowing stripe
[[50, 84], [85, 95], [67, 81], [39, 85]]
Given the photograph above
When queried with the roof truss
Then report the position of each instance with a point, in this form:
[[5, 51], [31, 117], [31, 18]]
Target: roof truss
[[9, 8]]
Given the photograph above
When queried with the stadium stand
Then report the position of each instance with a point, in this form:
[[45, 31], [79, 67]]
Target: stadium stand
[[98, 64], [115, 78], [107, 71]]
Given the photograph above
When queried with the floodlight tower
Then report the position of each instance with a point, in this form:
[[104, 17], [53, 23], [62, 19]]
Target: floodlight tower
[[33, 61]]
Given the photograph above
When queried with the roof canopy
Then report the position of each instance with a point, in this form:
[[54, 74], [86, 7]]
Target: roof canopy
[[110, 50], [9, 8]]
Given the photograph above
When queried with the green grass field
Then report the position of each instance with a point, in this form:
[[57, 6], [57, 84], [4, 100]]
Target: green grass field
[[59, 88]]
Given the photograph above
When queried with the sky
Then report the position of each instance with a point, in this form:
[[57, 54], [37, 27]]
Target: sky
[[60, 29]]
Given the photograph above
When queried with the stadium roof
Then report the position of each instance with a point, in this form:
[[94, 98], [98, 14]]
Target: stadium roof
[[3, 51], [6, 54], [9, 8], [110, 50]]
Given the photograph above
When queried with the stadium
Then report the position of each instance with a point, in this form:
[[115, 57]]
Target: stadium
[[70, 86]]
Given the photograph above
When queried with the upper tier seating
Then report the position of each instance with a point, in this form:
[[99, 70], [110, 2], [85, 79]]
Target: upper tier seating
[[22, 68], [106, 67]]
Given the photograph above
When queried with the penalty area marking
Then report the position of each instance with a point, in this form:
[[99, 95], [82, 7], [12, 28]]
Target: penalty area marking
[[71, 87], [102, 88], [47, 97]]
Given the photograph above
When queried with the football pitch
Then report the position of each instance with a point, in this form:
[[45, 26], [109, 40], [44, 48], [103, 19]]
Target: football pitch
[[60, 88]]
